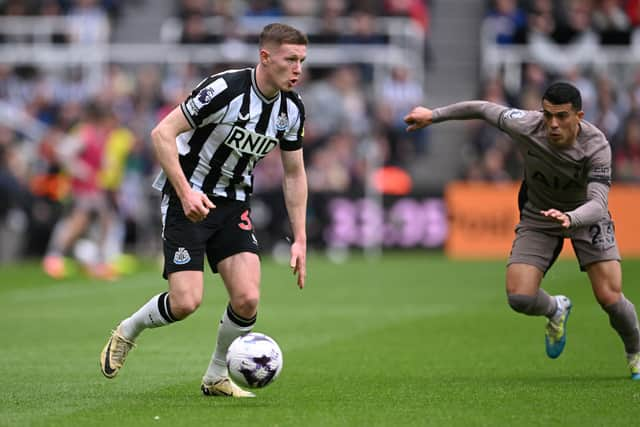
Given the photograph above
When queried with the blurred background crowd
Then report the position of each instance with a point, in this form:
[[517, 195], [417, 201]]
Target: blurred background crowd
[[561, 38], [67, 130]]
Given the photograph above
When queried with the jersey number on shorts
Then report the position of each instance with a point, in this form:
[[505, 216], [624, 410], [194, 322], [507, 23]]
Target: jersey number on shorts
[[602, 234], [245, 223]]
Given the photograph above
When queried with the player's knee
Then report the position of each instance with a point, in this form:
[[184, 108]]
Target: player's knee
[[184, 306], [521, 303], [246, 304], [607, 296]]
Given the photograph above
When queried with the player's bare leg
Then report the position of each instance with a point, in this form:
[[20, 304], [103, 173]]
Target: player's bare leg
[[526, 297], [65, 234], [241, 276], [606, 282]]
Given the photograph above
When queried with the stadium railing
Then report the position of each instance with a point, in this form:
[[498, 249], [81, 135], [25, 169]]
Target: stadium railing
[[618, 61], [404, 46], [402, 32]]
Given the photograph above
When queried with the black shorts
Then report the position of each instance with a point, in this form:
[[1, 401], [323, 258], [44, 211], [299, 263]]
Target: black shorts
[[226, 231]]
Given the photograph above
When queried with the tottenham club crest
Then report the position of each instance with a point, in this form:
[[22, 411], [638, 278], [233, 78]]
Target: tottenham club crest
[[181, 257], [282, 122]]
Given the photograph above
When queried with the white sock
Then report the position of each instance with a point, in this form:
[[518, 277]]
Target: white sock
[[560, 305], [155, 313], [231, 327]]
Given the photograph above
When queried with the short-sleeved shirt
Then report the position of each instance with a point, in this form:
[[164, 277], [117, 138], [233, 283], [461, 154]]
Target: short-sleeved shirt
[[233, 126]]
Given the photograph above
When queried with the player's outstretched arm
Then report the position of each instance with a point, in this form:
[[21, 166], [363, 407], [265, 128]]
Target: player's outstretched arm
[[421, 117], [195, 204], [295, 191]]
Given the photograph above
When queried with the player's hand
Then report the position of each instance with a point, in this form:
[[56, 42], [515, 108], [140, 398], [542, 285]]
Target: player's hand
[[196, 205], [298, 261], [559, 216], [418, 118]]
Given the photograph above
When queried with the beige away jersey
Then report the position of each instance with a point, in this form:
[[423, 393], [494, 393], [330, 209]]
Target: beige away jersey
[[574, 180]]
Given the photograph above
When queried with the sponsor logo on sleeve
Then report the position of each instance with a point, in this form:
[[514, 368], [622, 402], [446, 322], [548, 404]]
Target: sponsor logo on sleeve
[[602, 171], [514, 114], [204, 97]]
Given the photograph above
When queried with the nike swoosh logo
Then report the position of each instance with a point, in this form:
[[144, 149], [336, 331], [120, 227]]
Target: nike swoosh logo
[[214, 391], [245, 117], [107, 367]]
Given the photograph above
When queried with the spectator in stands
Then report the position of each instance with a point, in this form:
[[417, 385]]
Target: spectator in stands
[[263, 8], [541, 18], [507, 22], [193, 7], [626, 160], [416, 10], [399, 92], [52, 9], [534, 78], [83, 156], [330, 166], [195, 31], [349, 82], [608, 117], [611, 22], [632, 9], [88, 22], [584, 83], [15, 198], [494, 166], [363, 31], [329, 31], [71, 86], [299, 7], [632, 94], [483, 135], [326, 105], [562, 45]]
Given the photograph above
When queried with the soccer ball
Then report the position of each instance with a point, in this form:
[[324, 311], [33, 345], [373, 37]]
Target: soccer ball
[[254, 360]]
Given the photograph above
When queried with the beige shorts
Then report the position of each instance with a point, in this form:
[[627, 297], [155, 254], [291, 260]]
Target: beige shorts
[[540, 247]]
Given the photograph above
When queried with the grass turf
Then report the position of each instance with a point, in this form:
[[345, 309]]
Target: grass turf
[[407, 339]]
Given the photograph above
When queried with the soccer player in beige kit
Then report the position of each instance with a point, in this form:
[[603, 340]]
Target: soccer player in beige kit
[[567, 163]]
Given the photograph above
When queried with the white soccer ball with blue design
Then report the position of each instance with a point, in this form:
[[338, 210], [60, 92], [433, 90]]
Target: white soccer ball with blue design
[[254, 360]]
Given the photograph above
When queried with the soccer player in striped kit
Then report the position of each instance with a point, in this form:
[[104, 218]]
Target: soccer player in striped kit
[[208, 147]]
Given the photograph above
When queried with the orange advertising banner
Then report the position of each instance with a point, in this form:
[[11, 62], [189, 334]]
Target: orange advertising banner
[[482, 219]]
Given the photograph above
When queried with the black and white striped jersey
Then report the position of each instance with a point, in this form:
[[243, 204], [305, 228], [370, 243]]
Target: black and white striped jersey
[[233, 127]]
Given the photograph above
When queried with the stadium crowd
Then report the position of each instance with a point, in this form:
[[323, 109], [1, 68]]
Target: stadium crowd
[[51, 109], [350, 124], [561, 37]]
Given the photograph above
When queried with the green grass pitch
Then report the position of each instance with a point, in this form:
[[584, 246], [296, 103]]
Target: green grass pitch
[[406, 339]]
